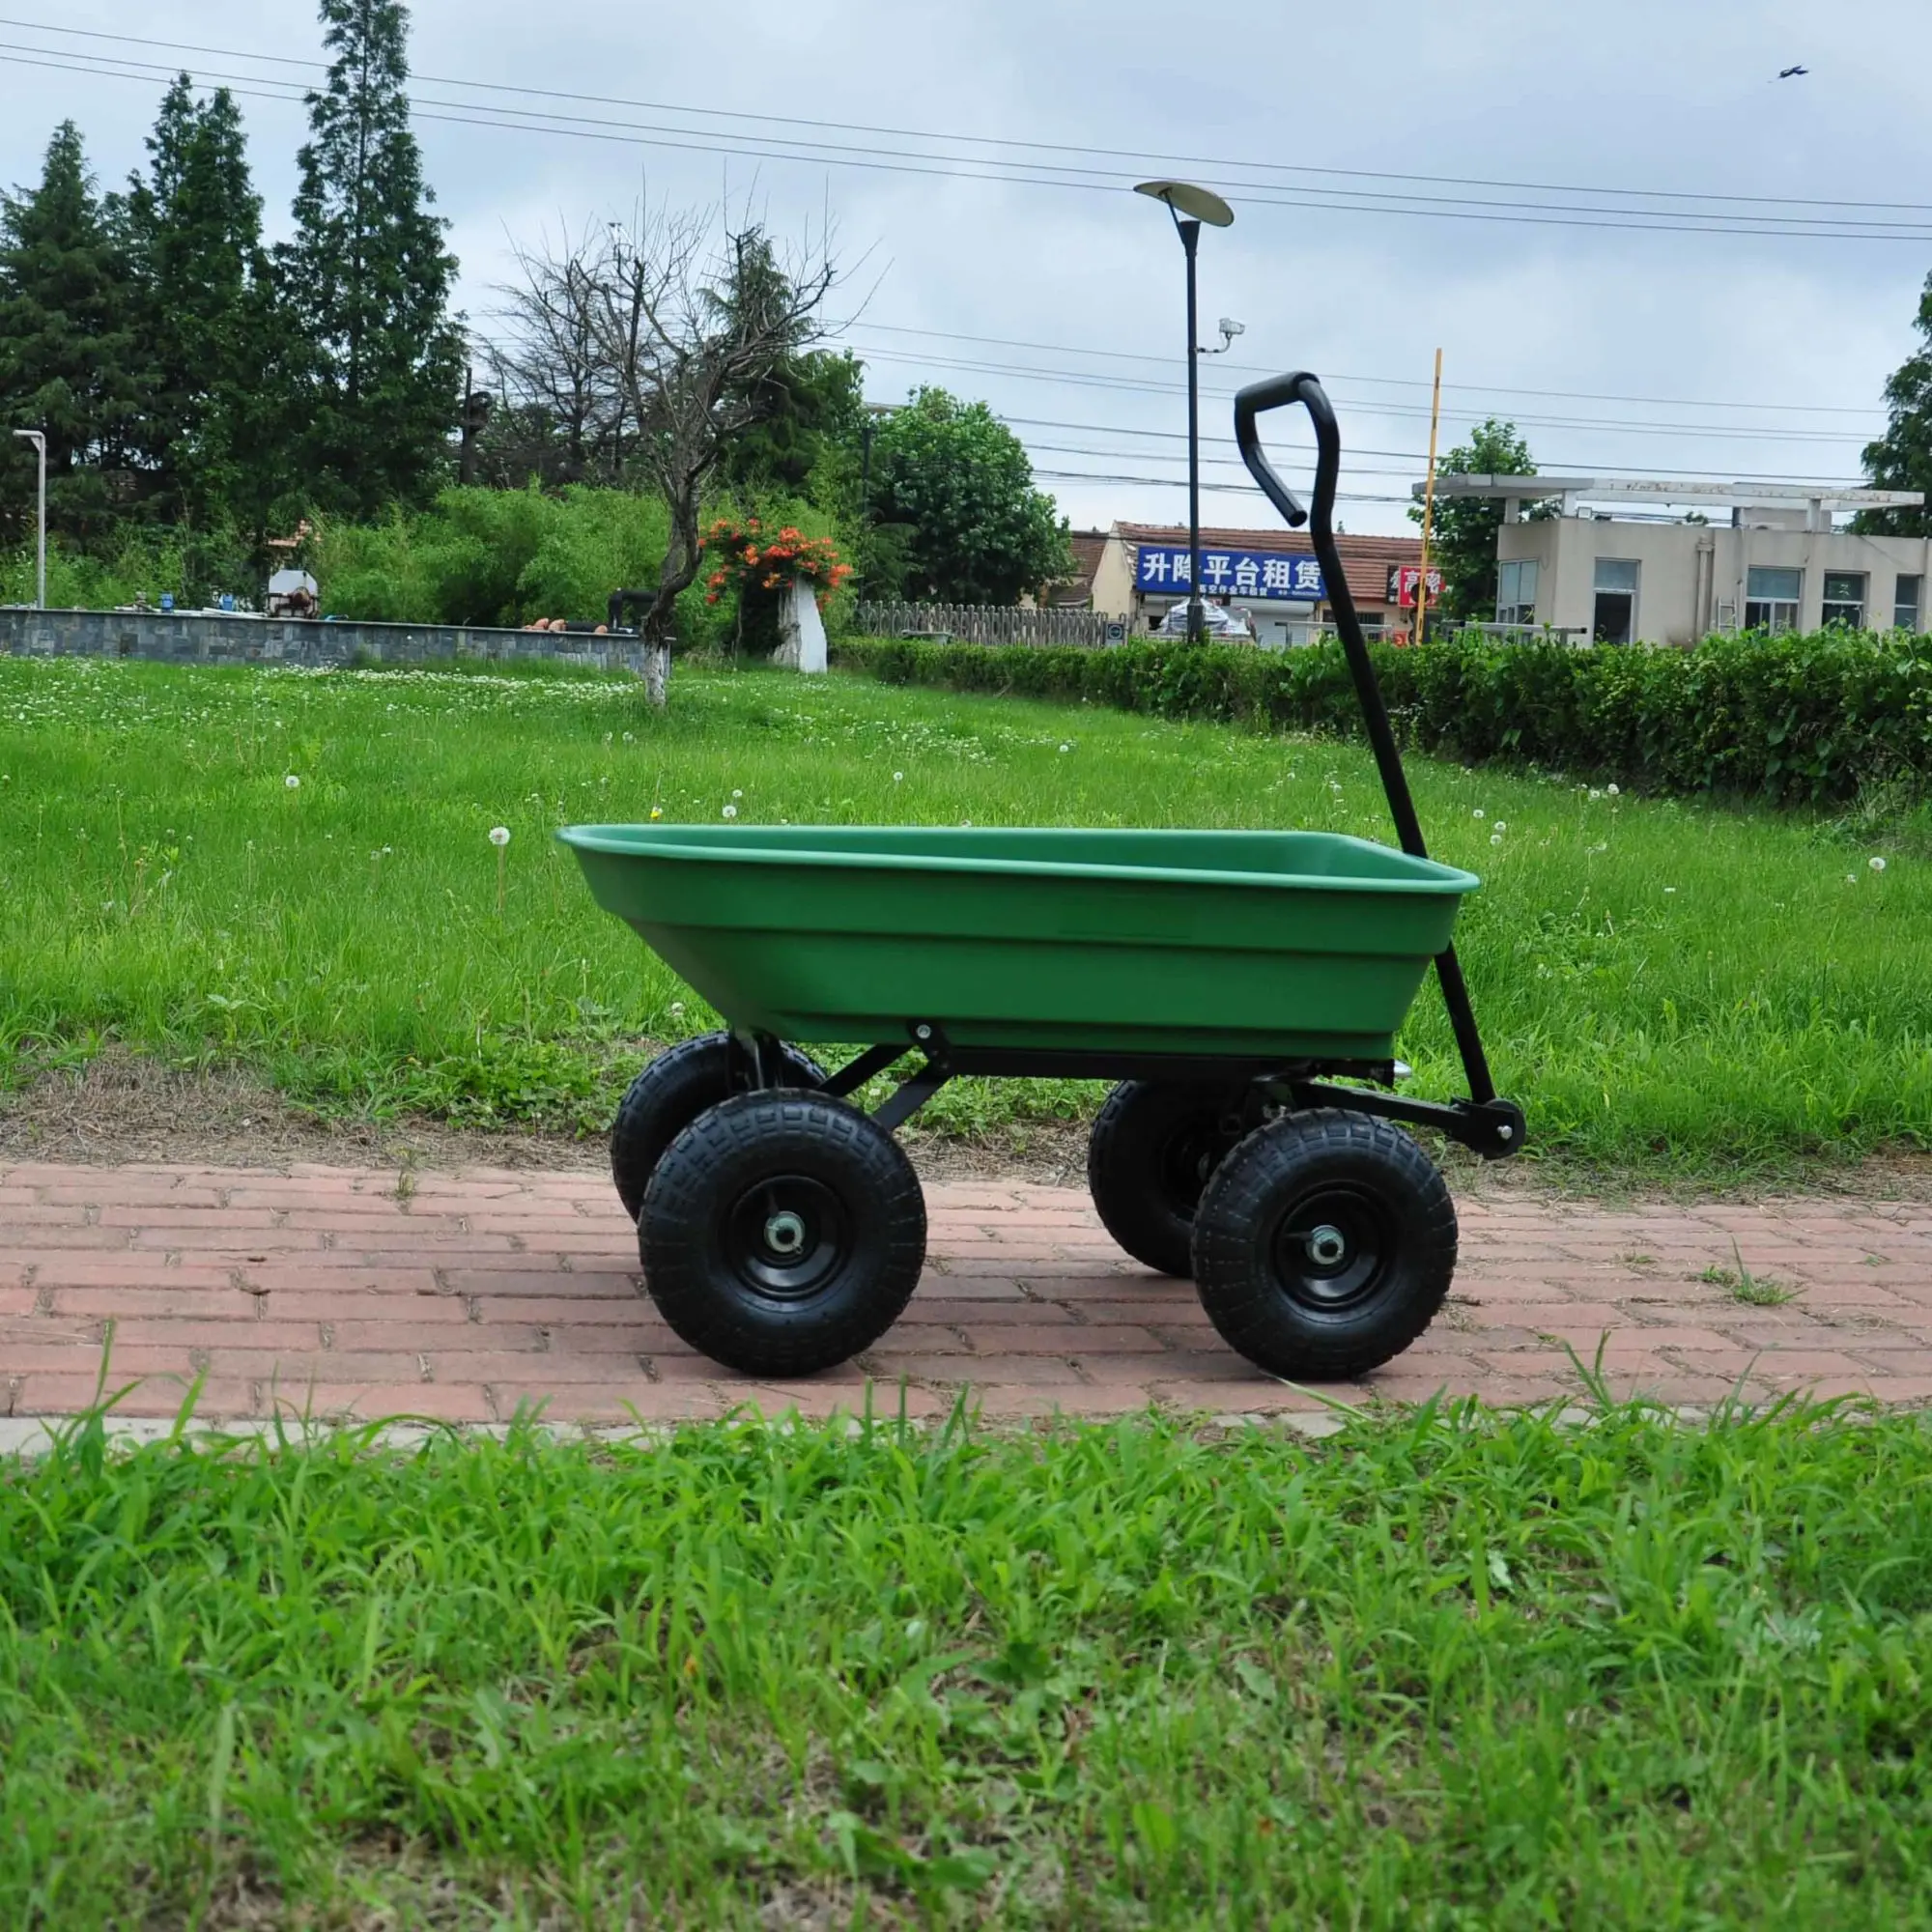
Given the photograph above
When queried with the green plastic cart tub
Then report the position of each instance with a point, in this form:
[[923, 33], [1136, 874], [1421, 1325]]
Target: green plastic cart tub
[[1249, 945]]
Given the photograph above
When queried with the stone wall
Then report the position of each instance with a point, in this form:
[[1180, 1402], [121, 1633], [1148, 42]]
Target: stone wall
[[194, 638]]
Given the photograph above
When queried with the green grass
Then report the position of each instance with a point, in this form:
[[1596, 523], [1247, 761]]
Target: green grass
[[1447, 1669], [1672, 989]]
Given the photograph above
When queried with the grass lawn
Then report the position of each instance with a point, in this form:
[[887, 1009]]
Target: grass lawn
[[293, 872], [1440, 1671]]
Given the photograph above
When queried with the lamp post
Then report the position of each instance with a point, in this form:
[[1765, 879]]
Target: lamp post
[[38, 439], [1197, 204]]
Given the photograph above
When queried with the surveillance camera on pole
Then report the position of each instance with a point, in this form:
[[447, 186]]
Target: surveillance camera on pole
[[1197, 204]]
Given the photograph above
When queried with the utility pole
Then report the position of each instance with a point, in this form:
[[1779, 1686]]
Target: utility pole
[[1429, 507], [38, 439]]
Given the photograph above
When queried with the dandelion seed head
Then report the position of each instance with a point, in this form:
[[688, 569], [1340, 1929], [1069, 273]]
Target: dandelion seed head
[[1611, 791], [1478, 813], [1495, 837], [1877, 864], [293, 783], [731, 811], [499, 835]]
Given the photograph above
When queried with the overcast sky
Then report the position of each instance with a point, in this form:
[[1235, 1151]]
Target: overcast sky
[[1771, 348]]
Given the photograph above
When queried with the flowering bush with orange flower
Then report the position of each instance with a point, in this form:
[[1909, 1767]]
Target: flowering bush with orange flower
[[744, 556]]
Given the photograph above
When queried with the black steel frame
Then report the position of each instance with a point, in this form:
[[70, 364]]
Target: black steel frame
[[1484, 1123]]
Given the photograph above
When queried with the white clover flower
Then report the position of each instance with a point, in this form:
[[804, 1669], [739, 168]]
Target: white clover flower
[[1066, 747], [1851, 878], [1595, 794], [1611, 791], [1877, 864], [899, 778], [737, 794], [1477, 814], [499, 835], [629, 739], [293, 783], [731, 811], [678, 1010], [1500, 826], [1669, 889]]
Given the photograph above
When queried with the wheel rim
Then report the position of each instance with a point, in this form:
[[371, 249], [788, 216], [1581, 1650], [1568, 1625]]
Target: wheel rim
[[1188, 1159], [1332, 1249], [787, 1237]]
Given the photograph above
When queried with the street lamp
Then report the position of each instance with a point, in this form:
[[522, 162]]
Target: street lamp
[[1198, 205], [38, 438]]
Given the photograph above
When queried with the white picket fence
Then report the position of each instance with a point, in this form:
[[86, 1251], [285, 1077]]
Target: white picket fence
[[987, 623]]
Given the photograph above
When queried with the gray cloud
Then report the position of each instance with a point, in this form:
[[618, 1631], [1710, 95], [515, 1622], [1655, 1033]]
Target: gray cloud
[[1641, 96]]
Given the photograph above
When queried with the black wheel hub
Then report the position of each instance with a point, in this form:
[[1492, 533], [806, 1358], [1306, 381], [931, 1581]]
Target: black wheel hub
[[1332, 1248], [787, 1237], [1188, 1160]]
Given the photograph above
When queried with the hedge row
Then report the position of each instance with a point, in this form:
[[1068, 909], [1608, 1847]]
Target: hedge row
[[1795, 718]]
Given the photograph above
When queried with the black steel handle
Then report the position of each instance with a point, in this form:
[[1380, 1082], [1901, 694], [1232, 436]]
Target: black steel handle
[[1303, 387]]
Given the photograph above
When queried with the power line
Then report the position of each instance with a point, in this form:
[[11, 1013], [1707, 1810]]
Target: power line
[[1390, 382], [1137, 157], [1755, 433], [987, 168]]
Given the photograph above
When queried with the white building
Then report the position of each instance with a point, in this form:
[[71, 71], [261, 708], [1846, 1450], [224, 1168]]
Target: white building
[[1616, 565]]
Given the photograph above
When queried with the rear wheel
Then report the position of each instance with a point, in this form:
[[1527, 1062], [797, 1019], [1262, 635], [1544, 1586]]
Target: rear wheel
[[670, 1093], [1153, 1149], [782, 1233], [1325, 1245]]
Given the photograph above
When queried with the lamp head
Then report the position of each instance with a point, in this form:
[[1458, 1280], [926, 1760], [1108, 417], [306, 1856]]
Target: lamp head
[[1186, 198]]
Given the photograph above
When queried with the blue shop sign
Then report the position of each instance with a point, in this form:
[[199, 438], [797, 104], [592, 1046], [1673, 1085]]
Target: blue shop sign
[[1162, 568]]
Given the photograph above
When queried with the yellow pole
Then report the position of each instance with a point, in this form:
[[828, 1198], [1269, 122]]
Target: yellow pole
[[1429, 503]]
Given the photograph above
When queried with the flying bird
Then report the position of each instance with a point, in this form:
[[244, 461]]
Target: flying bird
[[1792, 73]]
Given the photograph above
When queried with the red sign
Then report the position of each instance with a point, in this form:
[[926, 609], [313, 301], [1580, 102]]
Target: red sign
[[1402, 578]]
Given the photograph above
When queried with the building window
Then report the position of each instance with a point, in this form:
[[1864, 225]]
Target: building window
[[1615, 621], [1905, 602], [1770, 598], [1845, 599], [1515, 592]]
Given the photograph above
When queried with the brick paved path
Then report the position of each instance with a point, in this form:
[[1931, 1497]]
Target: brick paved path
[[335, 1293]]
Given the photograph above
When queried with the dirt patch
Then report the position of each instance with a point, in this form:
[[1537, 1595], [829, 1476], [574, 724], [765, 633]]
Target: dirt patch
[[121, 1109]]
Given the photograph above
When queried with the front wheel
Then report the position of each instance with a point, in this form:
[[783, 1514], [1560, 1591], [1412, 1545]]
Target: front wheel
[[1324, 1245], [782, 1233]]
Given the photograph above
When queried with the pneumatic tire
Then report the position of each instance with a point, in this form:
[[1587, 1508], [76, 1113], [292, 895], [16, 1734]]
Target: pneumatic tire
[[668, 1095], [782, 1233], [1324, 1245], [1154, 1148]]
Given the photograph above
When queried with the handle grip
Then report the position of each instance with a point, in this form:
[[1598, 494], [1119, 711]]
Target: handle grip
[[1277, 392]]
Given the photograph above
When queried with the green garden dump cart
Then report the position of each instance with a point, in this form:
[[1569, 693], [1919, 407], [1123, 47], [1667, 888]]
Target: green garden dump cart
[[1242, 988]]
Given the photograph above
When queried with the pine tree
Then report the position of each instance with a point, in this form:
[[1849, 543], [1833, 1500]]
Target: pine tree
[[367, 278], [207, 315], [67, 350]]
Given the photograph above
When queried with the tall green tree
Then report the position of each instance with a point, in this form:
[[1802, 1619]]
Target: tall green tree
[[952, 489], [1463, 539], [1901, 459], [367, 278], [209, 323], [68, 354]]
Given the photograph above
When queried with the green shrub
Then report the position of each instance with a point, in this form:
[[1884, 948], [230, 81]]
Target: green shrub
[[1812, 718]]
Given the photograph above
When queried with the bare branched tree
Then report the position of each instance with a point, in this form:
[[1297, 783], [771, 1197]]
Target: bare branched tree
[[551, 370], [692, 314]]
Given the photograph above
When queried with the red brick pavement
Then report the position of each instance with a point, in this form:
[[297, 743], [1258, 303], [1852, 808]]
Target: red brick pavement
[[463, 1296]]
